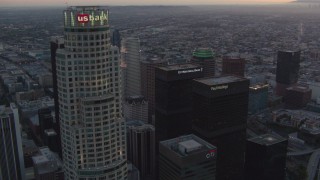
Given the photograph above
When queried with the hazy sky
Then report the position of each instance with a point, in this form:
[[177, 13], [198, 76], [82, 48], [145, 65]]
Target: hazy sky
[[132, 2]]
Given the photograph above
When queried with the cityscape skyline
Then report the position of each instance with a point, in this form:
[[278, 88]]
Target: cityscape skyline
[[126, 94]]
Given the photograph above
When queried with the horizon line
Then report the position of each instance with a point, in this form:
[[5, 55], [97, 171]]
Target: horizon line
[[143, 5]]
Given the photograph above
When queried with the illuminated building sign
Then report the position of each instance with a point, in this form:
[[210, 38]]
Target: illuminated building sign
[[214, 88], [211, 154], [84, 18], [190, 71]]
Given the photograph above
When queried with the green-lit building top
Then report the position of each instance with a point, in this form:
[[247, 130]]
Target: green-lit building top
[[204, 53]]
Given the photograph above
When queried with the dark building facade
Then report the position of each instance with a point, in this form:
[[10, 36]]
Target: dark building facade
[[287, 73], [141, 148], [136, 108], [205, 58], [148, 67], [173, 90], [51, 140], [45, 120], [258, 98], [187, 158], [220, 107], [266, 157], [297, 97], [55, 44], [233, 65], [116, 39], [11, 159]]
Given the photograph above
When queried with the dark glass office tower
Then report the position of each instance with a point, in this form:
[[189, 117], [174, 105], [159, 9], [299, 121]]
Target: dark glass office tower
[[55, 44], [266, 158], [288, 64], [233, 65], [141, 148], [50, 139], [220, 106], [147, 68], [187, 158], [173, 95], [116, 39], [297, 97]]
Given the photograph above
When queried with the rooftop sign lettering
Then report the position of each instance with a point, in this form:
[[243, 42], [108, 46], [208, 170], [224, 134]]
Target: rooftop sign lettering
[[219, 87], [190, 71], [84, 18]]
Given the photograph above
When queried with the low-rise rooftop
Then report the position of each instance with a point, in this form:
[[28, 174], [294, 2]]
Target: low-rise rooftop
[[187, 145], [267, 139]]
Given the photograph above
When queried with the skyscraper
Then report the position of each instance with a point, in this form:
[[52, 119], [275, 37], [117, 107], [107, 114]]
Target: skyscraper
[[220, 107], [297, 97], [205, 58], [266, 157], [233, 65], [173, 115], [136, 108], [45, 120], [187, 158], [148, 81], [116, 39], [92, 128], [258, 98], [141, 148], [288, 64], [11, 158], [50, 139], [130, 53], [55, 44]]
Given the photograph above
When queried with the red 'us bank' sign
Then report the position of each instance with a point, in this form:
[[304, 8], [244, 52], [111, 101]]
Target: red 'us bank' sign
[[83, 18]]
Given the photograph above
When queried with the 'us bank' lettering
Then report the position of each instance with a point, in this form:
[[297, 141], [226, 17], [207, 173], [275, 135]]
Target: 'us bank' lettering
[[84, 18]]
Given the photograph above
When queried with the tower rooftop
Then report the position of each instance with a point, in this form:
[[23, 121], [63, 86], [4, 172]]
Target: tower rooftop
[[220, 80], [203, 53], [267, 139], [187, 145]]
